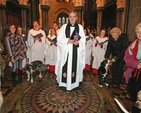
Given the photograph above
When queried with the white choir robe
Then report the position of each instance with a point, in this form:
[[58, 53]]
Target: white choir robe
[[36, 49], [50, 52], [88, 50], [64, 50], [98, 52]]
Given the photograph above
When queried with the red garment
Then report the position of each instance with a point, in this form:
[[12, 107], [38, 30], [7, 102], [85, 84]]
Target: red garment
[[87, 67]]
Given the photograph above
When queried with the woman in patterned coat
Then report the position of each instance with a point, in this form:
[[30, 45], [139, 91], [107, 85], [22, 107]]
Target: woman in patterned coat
[[16, 49]]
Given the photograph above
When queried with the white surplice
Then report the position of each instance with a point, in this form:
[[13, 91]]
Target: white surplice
[[36, 48], [50, 52], [98, 51], [64, 51], [88, 50]]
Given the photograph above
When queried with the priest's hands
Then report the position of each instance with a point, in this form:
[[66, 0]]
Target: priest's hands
[[70, 41], [75, 42]]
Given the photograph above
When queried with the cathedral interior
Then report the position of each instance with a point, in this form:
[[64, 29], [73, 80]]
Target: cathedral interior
[[38, 97]]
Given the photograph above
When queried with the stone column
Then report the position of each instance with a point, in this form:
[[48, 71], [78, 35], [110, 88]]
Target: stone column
[[99, 19], [79, 10], [119, 18], [100, 7], [79, 5], [45, 17], [45, 6], [2, 19], [119, 15], [34, 10], [23, 6]]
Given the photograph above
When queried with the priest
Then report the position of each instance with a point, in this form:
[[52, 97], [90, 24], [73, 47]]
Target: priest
[[70, 54]]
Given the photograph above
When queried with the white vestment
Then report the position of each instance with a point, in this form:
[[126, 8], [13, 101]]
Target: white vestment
[[64, 52], [50, 51], [88, 50], [98, 51], [36, 48]]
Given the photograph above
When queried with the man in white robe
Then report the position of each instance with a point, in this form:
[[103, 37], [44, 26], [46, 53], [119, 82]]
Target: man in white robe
[[36, 45], [70, 54]]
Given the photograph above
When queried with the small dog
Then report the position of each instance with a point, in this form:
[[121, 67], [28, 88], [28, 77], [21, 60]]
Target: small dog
[[34, 66], [134, 86], [102, 72], [137, 107]]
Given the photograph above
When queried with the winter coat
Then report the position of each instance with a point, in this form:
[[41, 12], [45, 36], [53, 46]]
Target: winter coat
[[15, 46]]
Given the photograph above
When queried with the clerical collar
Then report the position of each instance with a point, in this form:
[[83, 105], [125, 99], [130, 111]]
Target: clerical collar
[[72, 25]]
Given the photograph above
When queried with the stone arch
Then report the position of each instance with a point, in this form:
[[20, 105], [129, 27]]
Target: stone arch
[[56, 8]]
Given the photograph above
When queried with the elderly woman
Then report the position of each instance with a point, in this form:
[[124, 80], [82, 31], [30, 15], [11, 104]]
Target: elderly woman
[[132, 59], [117, 44]]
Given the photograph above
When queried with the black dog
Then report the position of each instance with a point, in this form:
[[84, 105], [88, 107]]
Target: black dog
[[34, 66], [134, 84], [102, 72]]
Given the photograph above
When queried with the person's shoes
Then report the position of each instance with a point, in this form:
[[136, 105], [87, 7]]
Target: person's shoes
[[62, 88], [100, 85], [112, 84], [106, 84]]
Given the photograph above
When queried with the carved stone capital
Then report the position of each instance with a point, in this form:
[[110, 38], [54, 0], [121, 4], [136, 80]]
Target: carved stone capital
[[23, 6], [100, 8], [120, 4], [100, 3], [23, 2], [79, 8], [120, 9], [78, 2], [3, 2], [45, 7], [45, 2]]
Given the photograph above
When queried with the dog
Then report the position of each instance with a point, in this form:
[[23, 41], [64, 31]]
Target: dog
[[33, 67], [136, 107], [102, 72], [134, 84]]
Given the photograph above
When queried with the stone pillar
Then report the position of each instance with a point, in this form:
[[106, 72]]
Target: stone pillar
[[119, 15], [23, 6], [99, 19], [45, 6], [100, 7], [45, 17], [119, 21], [79, 5], [79, 10], [134, 17], [34, 10], [2, 19]]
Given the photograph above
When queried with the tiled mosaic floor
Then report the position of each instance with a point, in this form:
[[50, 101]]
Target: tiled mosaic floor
[[43, 90]]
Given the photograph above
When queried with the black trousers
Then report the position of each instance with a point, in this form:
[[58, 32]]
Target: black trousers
[[117, 71]]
